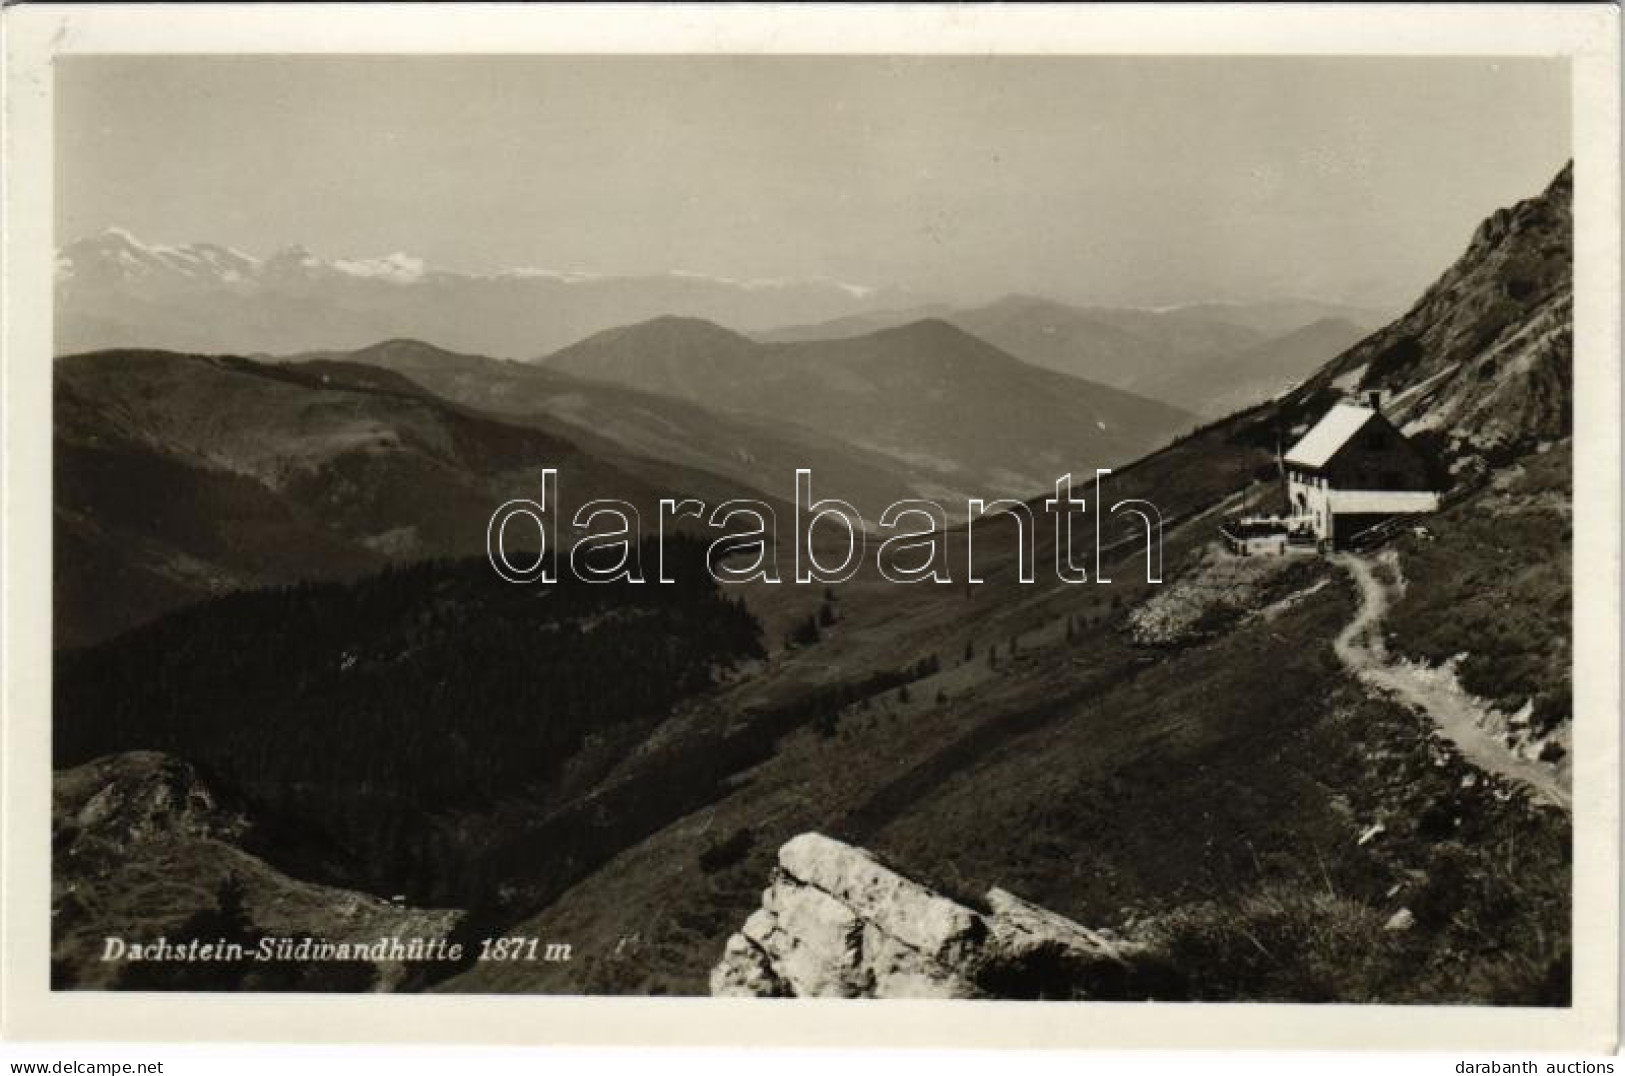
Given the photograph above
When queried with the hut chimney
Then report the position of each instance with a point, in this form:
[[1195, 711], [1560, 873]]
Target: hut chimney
[[1374, 400]]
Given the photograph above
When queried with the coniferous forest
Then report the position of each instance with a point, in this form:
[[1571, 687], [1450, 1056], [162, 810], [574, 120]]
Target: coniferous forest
[[380, 721]]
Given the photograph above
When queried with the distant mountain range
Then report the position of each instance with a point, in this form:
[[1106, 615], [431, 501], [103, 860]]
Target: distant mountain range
[[645, 431], [184, 476], [1210, 358], [876, 418], [979, 422], [115, 290]]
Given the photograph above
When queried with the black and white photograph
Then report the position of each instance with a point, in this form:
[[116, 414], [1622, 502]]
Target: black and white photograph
[[1008, 527]]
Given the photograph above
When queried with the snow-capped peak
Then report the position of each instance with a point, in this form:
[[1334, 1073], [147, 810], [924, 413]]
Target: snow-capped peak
[[396, 268], [116, 252], [116, 255], [123, 235]]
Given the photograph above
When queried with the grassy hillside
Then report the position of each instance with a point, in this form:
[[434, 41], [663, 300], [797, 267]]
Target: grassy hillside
[[649, 433], [1215, 803], [182, 477], [1490, 582], [1204, 796]]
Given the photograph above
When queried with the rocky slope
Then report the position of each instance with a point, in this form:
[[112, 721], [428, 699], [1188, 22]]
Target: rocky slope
[[142, 846], [1484, 358]]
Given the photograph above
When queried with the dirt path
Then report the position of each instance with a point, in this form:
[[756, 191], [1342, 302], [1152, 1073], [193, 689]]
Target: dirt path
[[1458, 717]]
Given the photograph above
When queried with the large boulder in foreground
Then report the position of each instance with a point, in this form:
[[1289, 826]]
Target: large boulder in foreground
[[836, 922]]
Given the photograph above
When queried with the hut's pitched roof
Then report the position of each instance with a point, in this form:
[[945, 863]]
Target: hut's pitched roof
[[1329, 435]]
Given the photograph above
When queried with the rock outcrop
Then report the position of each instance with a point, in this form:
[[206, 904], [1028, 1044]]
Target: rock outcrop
[[836, 922], [1485, 357], [141, 796], [144, 848]]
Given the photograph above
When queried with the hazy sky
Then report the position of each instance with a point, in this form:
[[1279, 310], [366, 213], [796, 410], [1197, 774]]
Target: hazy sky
[[1101, 179]]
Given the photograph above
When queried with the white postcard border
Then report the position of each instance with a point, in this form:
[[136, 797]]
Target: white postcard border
[[34, 35]]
